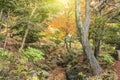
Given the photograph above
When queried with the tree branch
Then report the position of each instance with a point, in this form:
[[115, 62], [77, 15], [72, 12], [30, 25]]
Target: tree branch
[[99, 4], [87, 15]]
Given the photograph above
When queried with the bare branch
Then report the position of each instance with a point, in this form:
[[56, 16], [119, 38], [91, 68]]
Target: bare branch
[[99, 4]]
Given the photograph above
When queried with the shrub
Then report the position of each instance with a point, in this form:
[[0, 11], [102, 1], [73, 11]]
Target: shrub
[[112, 35], [19, 66], [107, 58], [3, 53], [2, 37], [33, 54]]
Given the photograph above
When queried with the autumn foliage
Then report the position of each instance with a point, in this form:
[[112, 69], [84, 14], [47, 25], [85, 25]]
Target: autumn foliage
[[65, 25]]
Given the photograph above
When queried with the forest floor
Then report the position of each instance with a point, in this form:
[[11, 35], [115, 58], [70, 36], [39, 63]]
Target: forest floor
[[59, 72], [67, 66], [117, 68]]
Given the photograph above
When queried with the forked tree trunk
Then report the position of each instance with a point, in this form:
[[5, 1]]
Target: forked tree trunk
[[83, 34]]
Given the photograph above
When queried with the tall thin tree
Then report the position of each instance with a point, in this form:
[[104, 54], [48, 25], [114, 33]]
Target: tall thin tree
[[83, 28]]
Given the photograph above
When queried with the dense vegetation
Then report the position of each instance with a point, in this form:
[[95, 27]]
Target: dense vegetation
[[59, 39]]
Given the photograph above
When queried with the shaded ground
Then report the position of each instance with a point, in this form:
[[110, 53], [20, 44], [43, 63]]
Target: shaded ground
[[67, 66], [117, 68]]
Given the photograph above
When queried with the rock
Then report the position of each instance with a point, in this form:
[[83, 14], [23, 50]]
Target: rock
[[118, 52], [72, 74]]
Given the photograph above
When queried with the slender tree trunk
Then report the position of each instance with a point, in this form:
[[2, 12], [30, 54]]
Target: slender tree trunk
[[66, 44], [24, 38], [97, 48], [27, 30], [98, 36], [7, 31], [1, 13], [66, 36], [70, 44], [6, 39], [83, 34]]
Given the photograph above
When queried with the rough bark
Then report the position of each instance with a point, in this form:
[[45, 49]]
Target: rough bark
[[83, 34]]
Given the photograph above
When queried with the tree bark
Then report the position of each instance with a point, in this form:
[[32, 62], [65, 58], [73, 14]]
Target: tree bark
[[66, 44], [83, 34], [1, 13], [97, 47], [7, 31], [24, 38]]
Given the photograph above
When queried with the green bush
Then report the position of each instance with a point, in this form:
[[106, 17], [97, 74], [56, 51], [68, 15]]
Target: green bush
[[3, 53], [32, 37], [55, 40], [107, 58], [2, 37], [108, 48], [112, 35], [33, 54], [18, 66]]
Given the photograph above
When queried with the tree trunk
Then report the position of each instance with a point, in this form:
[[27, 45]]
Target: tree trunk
[[83, 34], [7, 31], [6, 39], [1, 13], [24, 38], [97, 48], [27, 30], [66, 44]]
